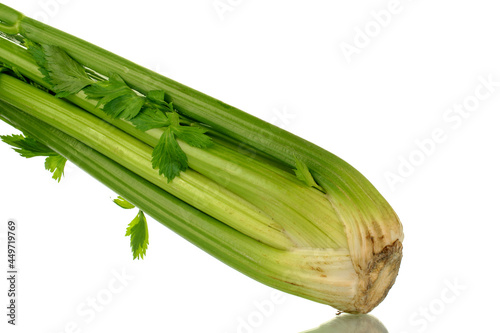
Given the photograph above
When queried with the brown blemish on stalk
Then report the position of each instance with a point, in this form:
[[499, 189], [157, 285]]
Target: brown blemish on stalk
[[377, 278]]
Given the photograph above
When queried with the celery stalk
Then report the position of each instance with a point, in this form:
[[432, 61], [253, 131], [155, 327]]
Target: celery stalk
[[299, 271], [340, 247], [259, 183]]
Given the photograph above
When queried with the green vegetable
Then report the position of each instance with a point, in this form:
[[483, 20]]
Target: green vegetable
[[29, 147], [137, 230], [302, 173], [120, 201], [139, 236], [273, 206], [55, 164], [67, 77]]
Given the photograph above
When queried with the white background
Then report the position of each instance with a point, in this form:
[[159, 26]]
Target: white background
[[283, 62]]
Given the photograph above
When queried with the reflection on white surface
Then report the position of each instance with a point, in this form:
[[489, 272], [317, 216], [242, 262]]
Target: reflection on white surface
[[348, 323]]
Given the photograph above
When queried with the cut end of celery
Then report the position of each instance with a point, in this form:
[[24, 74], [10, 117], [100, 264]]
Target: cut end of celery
[[377, 279]]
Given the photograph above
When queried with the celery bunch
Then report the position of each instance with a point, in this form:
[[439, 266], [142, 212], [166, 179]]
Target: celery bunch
[[273, 206]]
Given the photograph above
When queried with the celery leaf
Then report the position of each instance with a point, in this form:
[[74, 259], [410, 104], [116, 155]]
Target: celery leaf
[[156, 96], [150, 118], [26, 146], [66, 75], [168, 156], [157, 99], [302, 172], [38, 55], [126, 106], [29, 147], [55, 164], [139, 235], [117, 98], [120, 201], [193, 136]]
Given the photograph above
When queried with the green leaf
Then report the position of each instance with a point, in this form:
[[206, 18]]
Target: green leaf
[[26, 146], [157, 96], [150, 118], [29, 147], [303, 174], [120, 201], [126, 106], [38, 55], [105, 91], [119, 100], [168, 156], [193, 136], [139, 235], [55, 164], [66, 75]]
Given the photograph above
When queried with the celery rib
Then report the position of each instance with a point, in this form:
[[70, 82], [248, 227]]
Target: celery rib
[[289, 271], [277, 192], [136, 155]]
